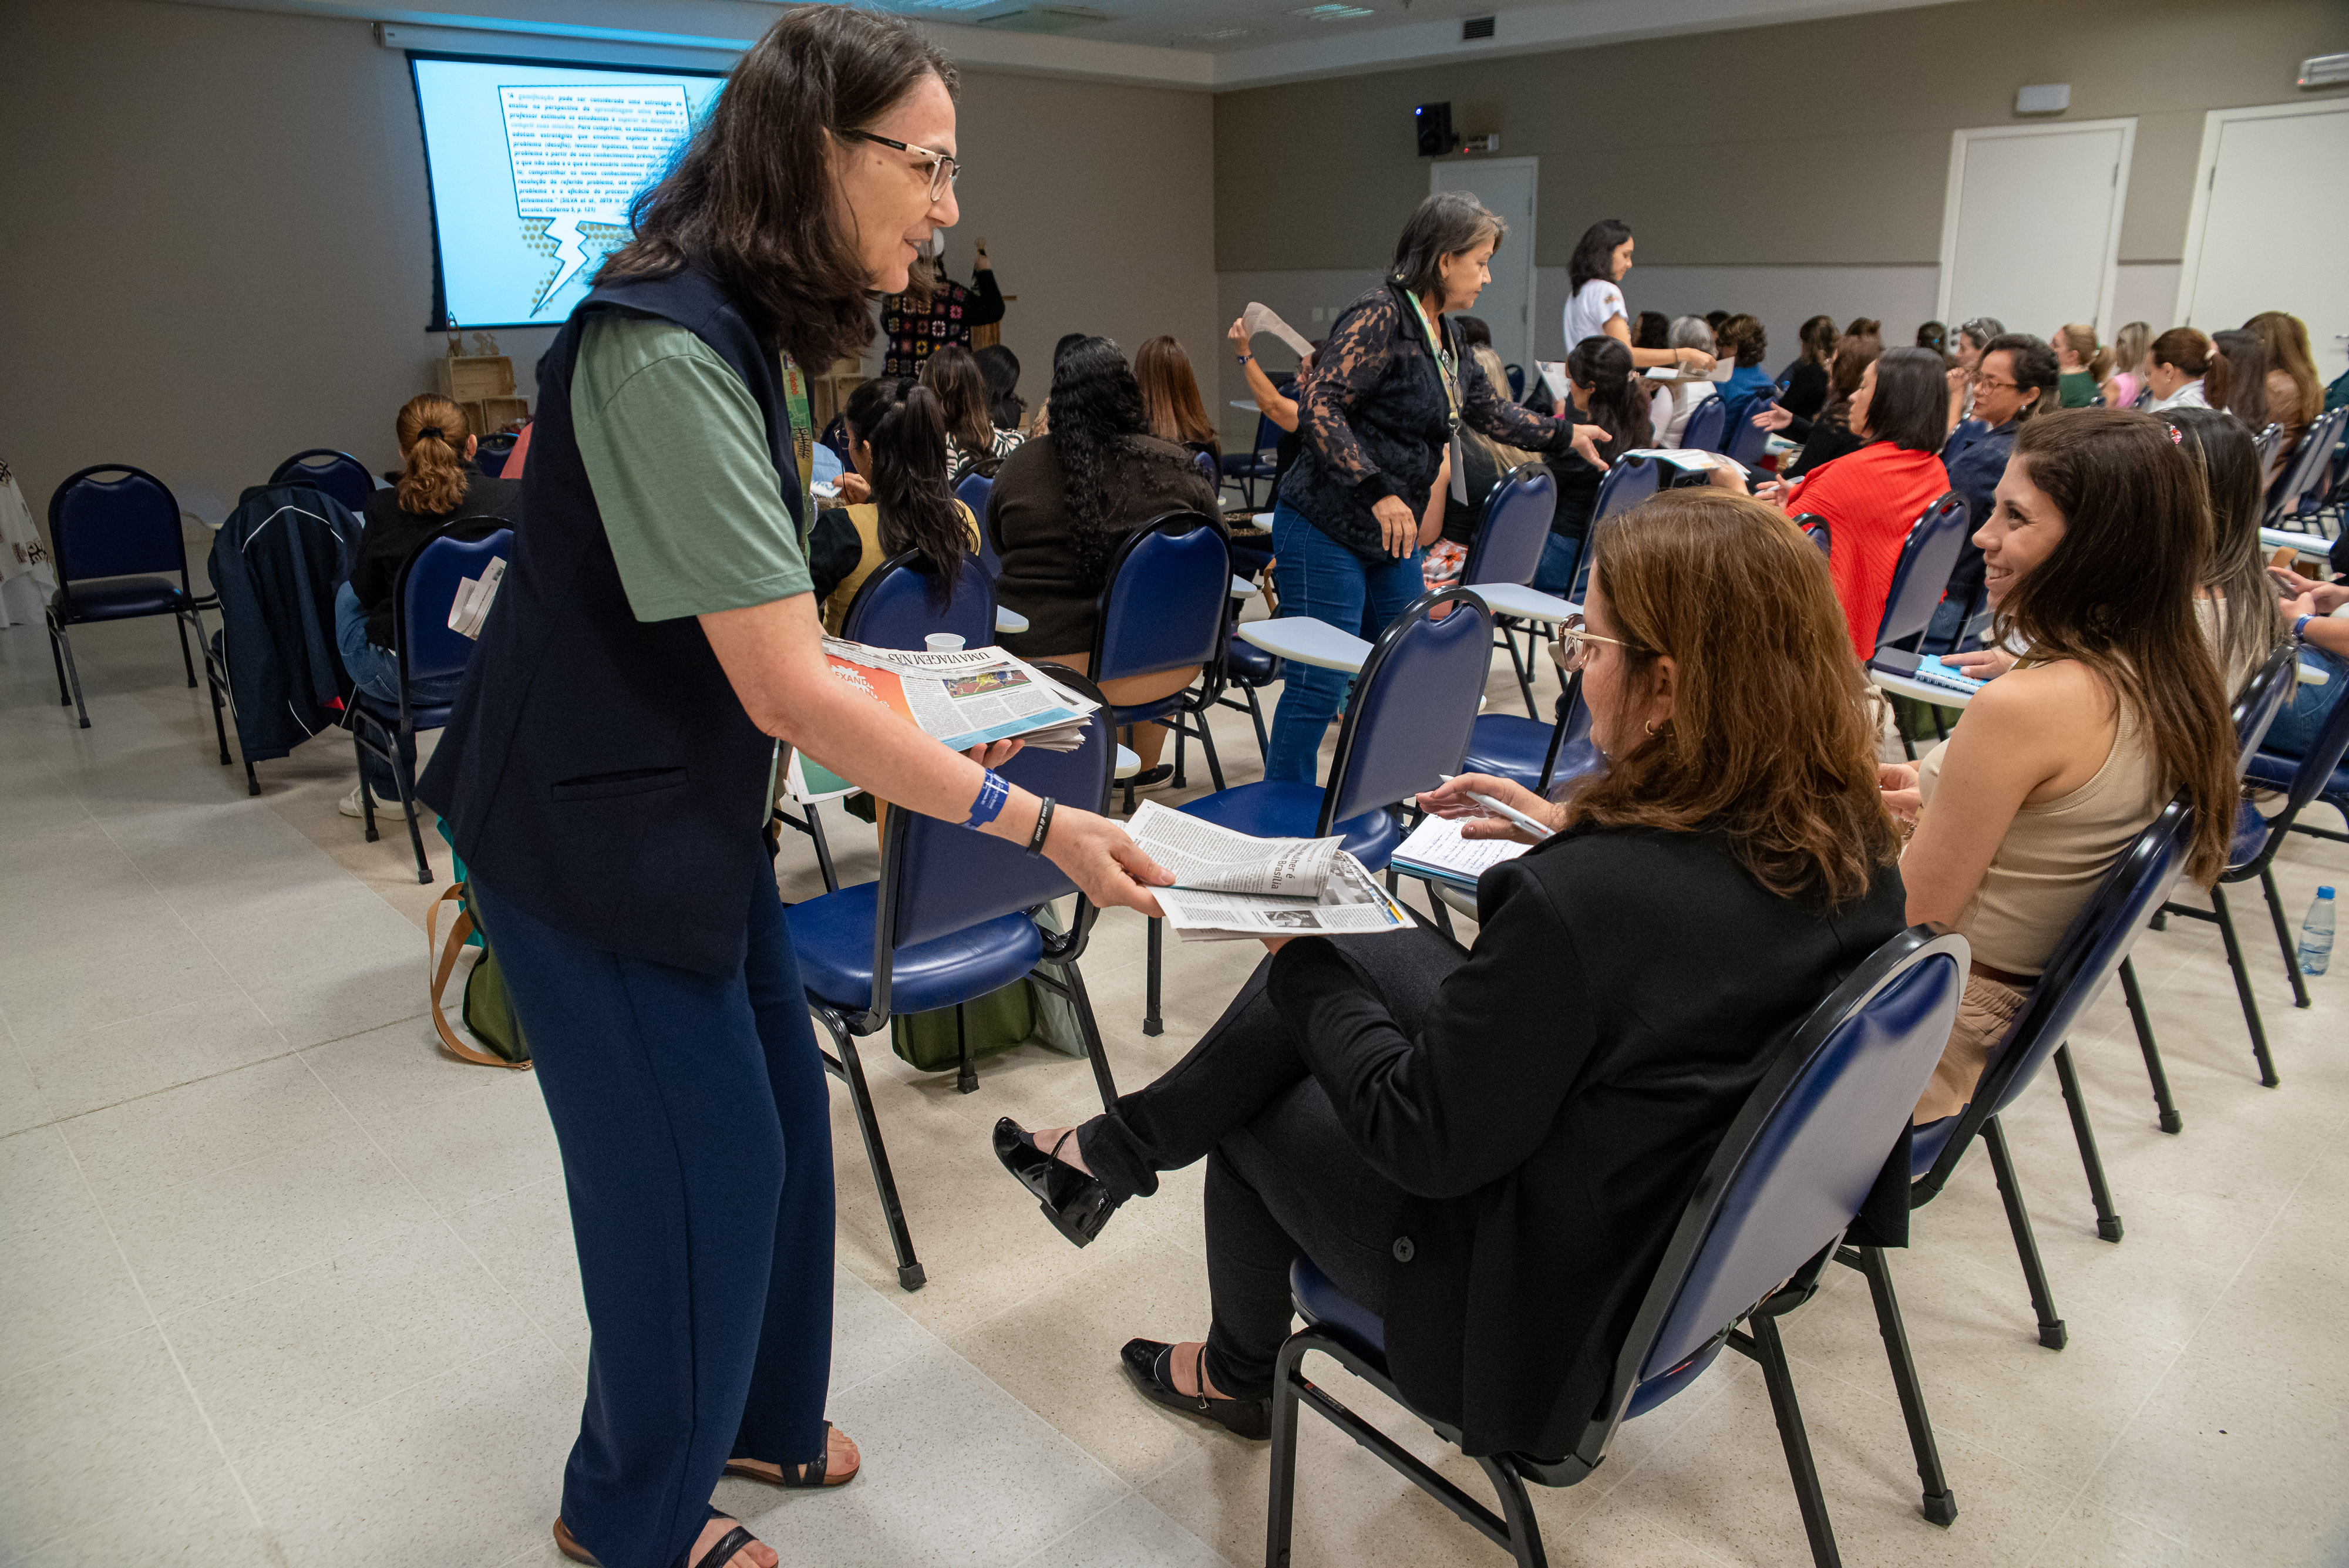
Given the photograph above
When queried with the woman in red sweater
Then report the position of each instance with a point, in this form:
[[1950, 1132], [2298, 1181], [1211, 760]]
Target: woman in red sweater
[[1870, 498]]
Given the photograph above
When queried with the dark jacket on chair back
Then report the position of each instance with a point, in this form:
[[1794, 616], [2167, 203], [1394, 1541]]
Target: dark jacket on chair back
[[598, 771], [275, 563]]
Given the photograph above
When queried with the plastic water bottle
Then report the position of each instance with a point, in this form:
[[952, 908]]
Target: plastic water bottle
[[2316, 933]]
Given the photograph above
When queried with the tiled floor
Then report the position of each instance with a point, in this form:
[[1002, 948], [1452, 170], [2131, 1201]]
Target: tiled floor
[[282, 1285]]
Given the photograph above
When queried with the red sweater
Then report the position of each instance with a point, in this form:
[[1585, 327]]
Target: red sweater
[[1870, 498]]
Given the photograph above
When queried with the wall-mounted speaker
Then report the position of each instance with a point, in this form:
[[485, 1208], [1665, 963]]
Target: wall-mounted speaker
[[1434, 124]]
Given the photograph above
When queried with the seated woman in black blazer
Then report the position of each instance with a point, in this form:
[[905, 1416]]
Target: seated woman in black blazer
[[1489, 1149]]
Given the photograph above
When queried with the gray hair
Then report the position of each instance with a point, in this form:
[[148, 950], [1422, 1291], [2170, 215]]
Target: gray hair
[[1982, 329], [1444, 224], [1691, 332]]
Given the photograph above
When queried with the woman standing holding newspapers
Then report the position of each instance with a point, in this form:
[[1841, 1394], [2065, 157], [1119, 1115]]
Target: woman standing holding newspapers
[[608, 773]]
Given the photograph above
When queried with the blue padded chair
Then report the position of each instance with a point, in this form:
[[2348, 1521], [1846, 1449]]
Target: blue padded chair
[[1707, 426], [1166, 605], [2253, 851], [1534, 754], [1629, 482], [490, 456], [336, 473], [1920, 578], [974, 492], [1742, 439], [125, 530], [951, 920], [2093, 948], [1770, 1211], [427, 650], [1249, 670], [1510, 537], [1260, 462], [898, 605], [1206, 463], [1407, 723], [1516, 375], [2303, 491]]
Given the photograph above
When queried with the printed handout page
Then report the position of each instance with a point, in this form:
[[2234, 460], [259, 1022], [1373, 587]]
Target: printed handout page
[[965, 698], [1689, 458], [1436, 848], [1259, 318], [1230, 885]]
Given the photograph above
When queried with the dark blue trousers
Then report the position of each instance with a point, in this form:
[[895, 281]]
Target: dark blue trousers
[[697, 1147]]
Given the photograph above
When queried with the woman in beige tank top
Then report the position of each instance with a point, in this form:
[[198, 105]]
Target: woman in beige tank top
[[2060, 763]]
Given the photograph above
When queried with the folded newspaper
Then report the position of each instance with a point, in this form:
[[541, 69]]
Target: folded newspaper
[[1687, 458], [1230, 885], [965, 698]]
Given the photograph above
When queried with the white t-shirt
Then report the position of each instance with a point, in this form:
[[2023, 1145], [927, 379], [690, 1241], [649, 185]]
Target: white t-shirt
[[1594, 305]]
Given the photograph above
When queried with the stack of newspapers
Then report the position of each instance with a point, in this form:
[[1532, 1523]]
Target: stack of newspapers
[[1230, 885], [965, 698]]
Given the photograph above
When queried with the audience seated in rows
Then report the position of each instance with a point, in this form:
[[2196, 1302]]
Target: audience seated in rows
[[1669, 409], [2175, 366], [973, 441], [438, 484], [1830, 435], [1654, 330], [1488, 1148], [1170, 400], [1065, 501], [1803, 384], [2235, 602], [2014, 378], [1742, 336], [2082, 363], [2058, 765], [898, 445], [1606, 392]]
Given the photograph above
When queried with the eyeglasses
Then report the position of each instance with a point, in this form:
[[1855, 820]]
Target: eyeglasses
[[945, 167], [1994, 382], [1571, 646]]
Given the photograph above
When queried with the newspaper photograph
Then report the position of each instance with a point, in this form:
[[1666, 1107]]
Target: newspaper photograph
[[1230, 885], [968, 697]]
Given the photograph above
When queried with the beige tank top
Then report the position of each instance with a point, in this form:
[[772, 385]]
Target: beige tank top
[[2054, 853]]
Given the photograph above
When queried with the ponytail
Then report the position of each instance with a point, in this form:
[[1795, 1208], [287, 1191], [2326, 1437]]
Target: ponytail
[[905, 427], [1619, 402], [2081, 339], [432, 432]]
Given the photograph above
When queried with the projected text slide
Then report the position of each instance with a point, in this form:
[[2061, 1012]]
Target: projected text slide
[[580, 154]]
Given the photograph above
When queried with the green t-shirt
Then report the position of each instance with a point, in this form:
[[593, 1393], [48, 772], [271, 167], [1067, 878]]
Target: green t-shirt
[[676, 450]]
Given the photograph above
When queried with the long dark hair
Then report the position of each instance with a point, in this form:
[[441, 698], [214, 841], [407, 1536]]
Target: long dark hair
[[753, 198], [1095, 410], [1855, 352], [1772, 741], [2128, 493], [953, 375], [2251, 628], [1818, 339], [1910, 406], [1000, 366], [1619, 401], [2238, 376], [1594, 254], [906, 429]]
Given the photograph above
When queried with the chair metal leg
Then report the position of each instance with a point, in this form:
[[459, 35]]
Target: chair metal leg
[[2170, 1121], [1901, 728], [1771, 1351], [850, 1070], [1280, 1499], [2284, 938], [2052, 1332], [64, 698], [823, 848], [1179, 775], [2108, 1223], [1255, 713], [966, 1071], [367, 792], [1151, 1023], [1517, 1509], [1095, 1052], [186, 658], [1207, 745], [404, 776], [1941, 1503], [2243, 989], [59, 640], [1525, 678]]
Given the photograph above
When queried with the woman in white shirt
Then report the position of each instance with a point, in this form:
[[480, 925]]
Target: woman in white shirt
[[1675, 400], [1596, 306], [2181, 357]]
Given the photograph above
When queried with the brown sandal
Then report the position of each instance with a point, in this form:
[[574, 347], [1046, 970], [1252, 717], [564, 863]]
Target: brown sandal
[[810, 1474]]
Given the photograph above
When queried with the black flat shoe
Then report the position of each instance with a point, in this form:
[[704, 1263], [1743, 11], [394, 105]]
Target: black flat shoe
[[1077, 1204], [1149, 1363]]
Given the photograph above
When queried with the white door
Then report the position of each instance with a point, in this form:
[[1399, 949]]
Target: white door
[[2031, 230], [2269, 228], [1506, 186]]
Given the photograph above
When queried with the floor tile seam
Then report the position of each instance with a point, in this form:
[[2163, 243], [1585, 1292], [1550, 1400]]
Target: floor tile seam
[[149, 1194], [210, 950], [170, 1089], [367, 1028], [1130, 1492], [103, 1342]]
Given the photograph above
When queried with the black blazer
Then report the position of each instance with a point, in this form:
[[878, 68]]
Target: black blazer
[[1626, 990], [392, 531]]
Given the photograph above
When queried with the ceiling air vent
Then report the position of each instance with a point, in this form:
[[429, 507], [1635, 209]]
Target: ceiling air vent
[[1476, 27]]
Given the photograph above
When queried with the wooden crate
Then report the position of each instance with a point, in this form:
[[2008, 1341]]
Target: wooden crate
[[474, 377], [488, 415]]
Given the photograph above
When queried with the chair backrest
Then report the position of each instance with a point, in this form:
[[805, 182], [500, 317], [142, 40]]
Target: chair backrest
[[974, 492], [1514, 529], [1571, 751], [1413, 707], [898, 605], [2256, 705], [1268, 435], [1629, 481], [1921, 576], [427, 587], [939, 878], [115, 527], [2077, 972], [1743, 440], [338, 474], [1706, 426], [2311, 468], [1164, 603], [1799, 1161], [490, 457], [1815, 527], [1516, 375]]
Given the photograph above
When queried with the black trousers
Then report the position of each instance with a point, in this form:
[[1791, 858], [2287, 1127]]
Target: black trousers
[[1283, 1177]]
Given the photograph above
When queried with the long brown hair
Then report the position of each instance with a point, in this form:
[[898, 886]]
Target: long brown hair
[[2128, 493], [1170, 392], [1771, 740], [754, 198], [2286, 339], [2250, 627], [432, 432], [953, 375], [2237, 378]]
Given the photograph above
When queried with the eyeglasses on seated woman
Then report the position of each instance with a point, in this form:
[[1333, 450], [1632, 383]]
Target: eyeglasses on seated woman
[[1528, 1113]]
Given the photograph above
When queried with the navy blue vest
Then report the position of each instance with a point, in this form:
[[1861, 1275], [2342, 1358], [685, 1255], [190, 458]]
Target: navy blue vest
[[598, 771]]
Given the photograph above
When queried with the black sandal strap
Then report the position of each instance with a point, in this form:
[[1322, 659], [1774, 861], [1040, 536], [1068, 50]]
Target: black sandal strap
[[811, 1473], [729, 1545]]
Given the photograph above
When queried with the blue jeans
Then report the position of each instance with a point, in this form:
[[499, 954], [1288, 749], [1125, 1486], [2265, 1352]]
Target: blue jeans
[[696, 1132], [1559, 558], [376, 671], [2303, 712], [1323, 578]]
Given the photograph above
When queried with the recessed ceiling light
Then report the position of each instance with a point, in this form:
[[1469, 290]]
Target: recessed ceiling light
[[1213, 37], [1331, 13], [953, 5]]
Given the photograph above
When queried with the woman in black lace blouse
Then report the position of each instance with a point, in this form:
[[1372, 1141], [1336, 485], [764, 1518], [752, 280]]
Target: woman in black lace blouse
[[1379, 415]]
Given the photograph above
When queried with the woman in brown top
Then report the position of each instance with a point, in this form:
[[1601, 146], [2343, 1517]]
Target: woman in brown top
[[1065, 501]]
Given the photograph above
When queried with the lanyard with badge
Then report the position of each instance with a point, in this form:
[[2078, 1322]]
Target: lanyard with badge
[[803, 422], [1441, 351]]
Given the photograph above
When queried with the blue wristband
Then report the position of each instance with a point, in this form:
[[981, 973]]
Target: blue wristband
[[992, 793]]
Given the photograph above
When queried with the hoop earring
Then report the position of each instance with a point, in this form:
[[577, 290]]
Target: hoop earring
[[1650, 725]]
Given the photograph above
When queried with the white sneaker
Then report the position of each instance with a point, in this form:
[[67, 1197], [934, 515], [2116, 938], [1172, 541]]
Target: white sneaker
[[352, 806]]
